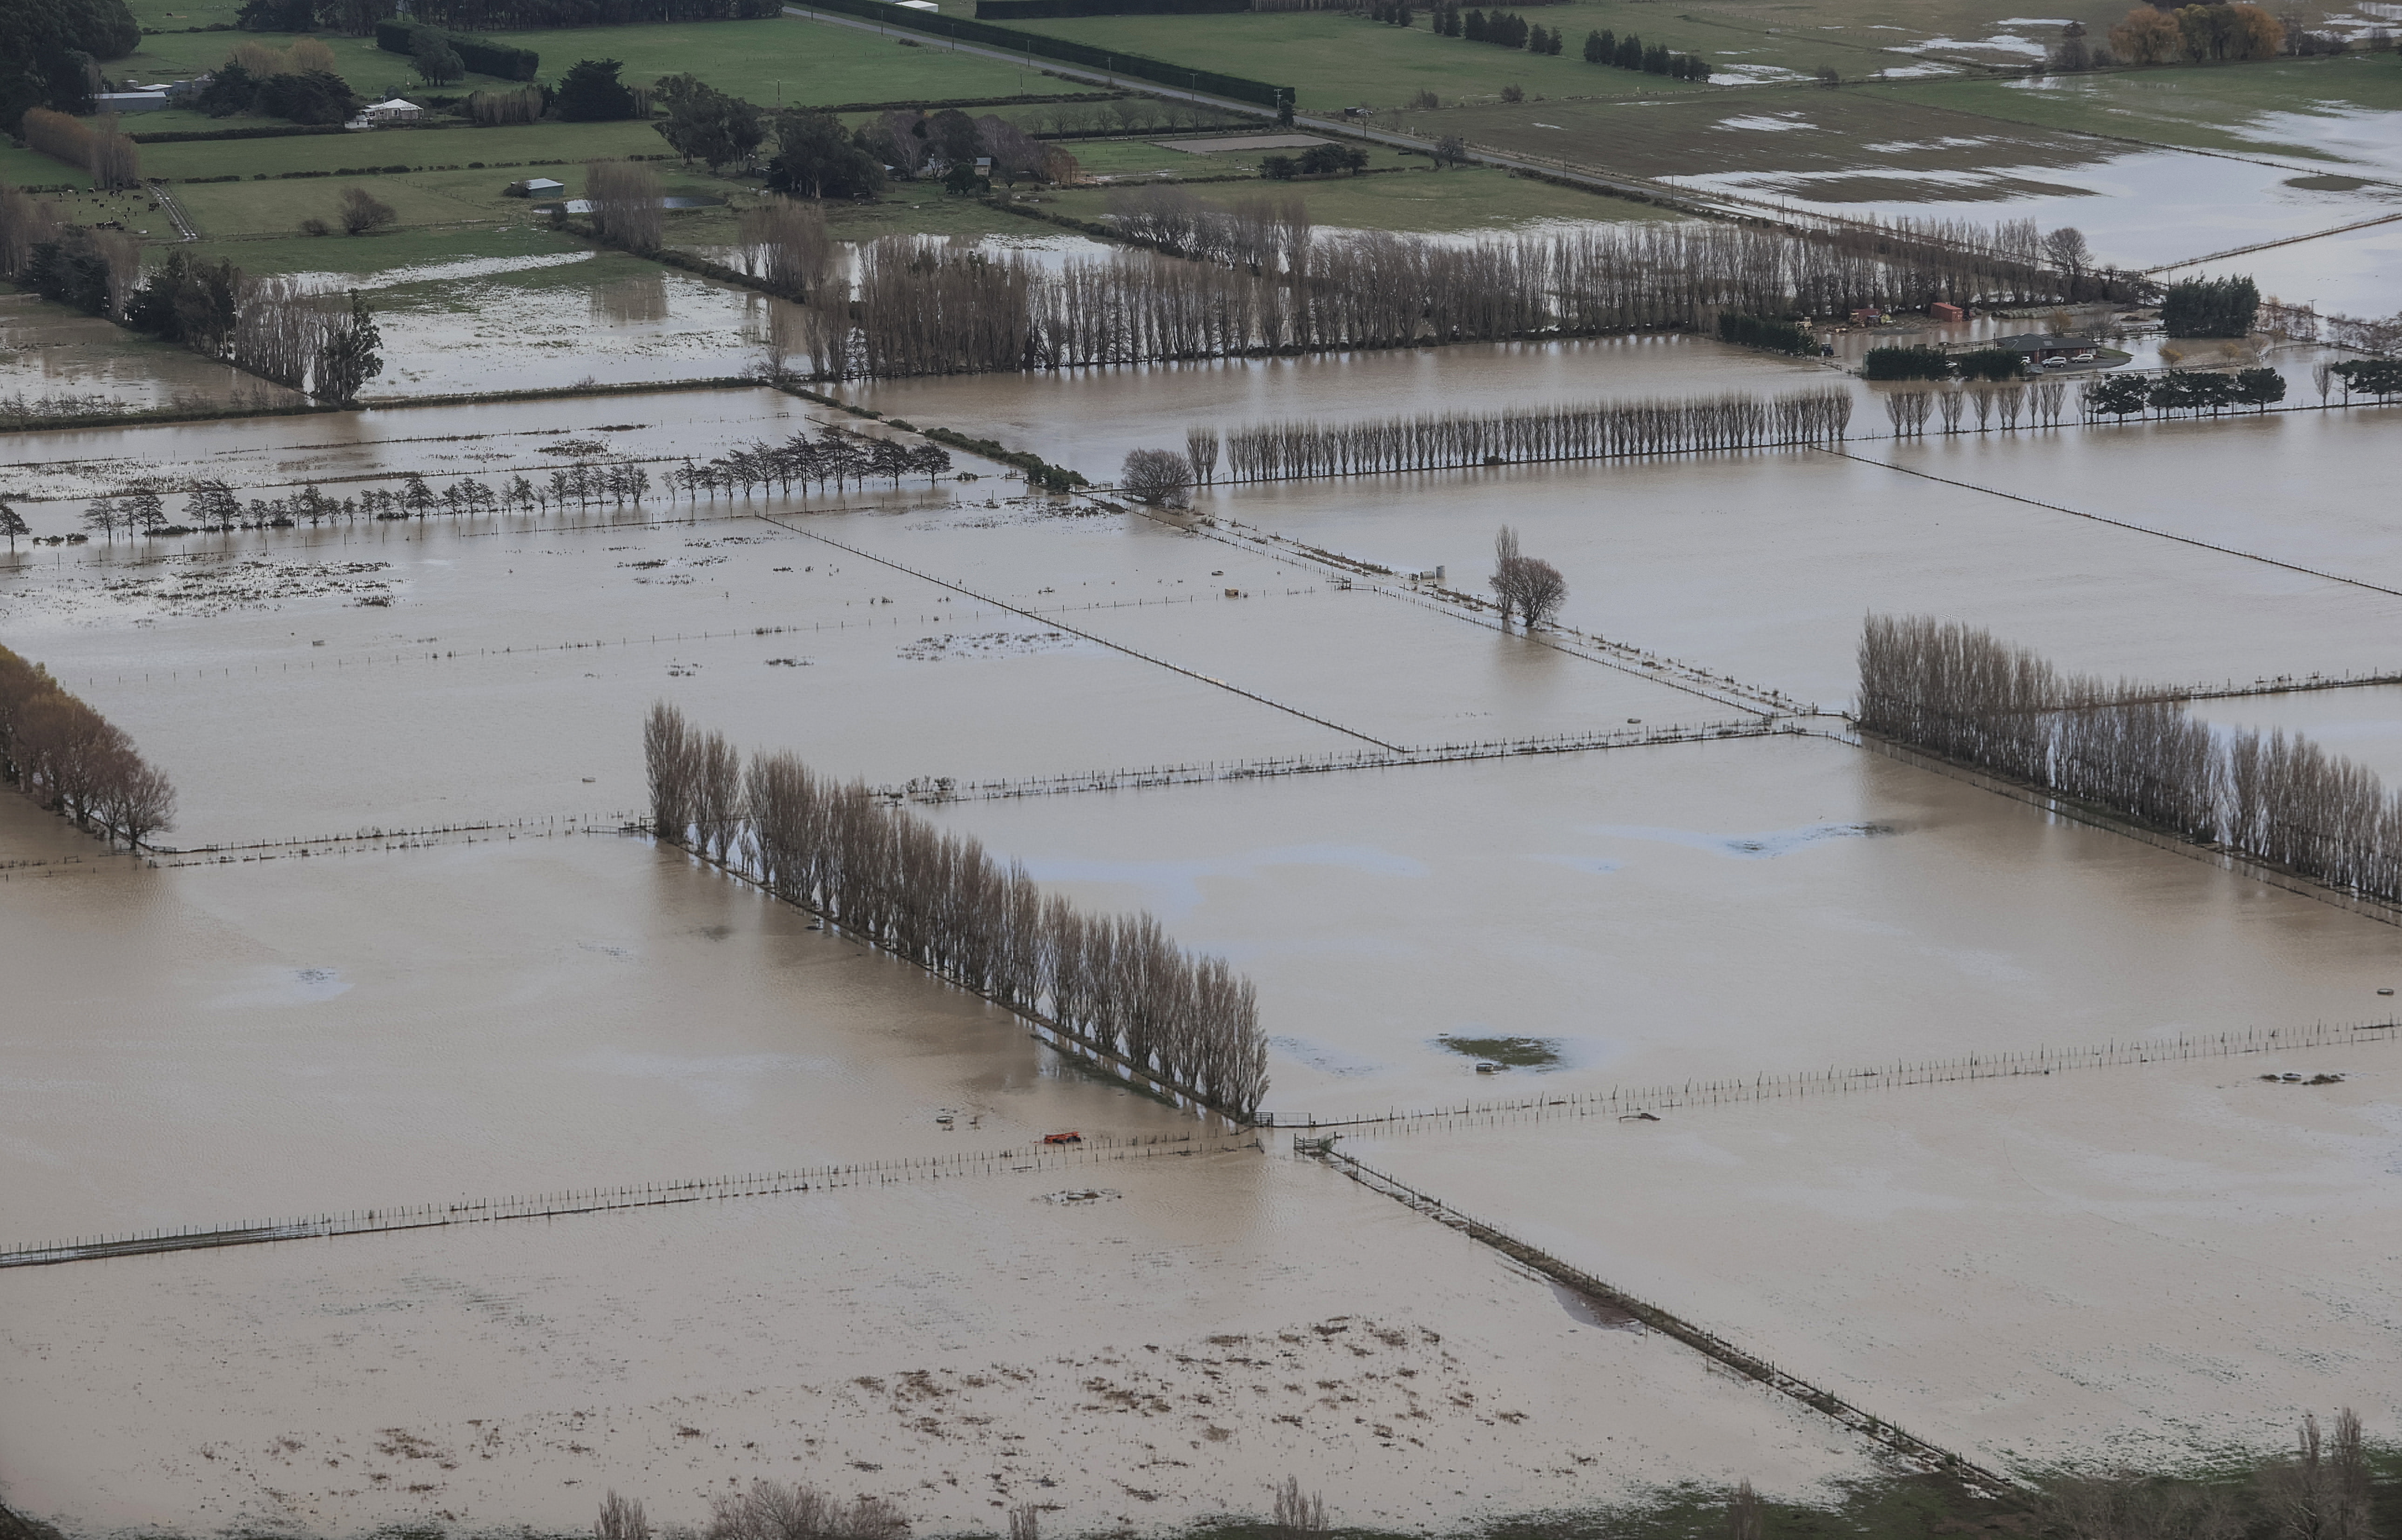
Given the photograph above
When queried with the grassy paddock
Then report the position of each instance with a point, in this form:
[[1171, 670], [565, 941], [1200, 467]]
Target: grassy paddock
[[805, 61], [2190, 106], [1828, 131], [371, 254], [1421, 201]]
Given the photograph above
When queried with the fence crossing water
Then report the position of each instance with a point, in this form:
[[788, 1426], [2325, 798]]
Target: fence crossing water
[[602, 1200], [1629, 1101], [1717, 1348], [1310, 764]]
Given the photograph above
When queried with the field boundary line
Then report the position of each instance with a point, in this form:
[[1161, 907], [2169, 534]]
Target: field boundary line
[[604, 1200], [1670, 672], [2116, 523], [1633, 1102], [1894, 1440], [1103, 641], [1311, 764]]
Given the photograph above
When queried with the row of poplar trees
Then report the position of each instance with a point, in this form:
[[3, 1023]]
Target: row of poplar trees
[[1117, 982], [2130, 750]]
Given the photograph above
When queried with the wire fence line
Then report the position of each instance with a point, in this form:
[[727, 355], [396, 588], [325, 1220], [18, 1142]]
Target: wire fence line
[[946, 790], [1100, 1149], [1634, 1101], [1710, 1344]]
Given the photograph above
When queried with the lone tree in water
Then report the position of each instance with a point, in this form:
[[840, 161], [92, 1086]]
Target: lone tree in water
[[1532, 589], [1160, 478]]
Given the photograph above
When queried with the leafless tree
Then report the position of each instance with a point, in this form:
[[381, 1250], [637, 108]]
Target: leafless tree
[[1118, 983], [363, 212], [1298, 1513], [2321, 1491], [1746, 1520], [772, 1511], [2067, 250], [60, 751], [1590, 431], [2131, 1506], [620, 1519], [1025, 1522], [1159, 478], [2133, 749], [628, 206], [787, 242], [1201, 449]]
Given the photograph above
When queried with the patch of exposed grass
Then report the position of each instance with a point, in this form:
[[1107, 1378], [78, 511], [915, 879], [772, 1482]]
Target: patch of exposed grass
[[1516, 1053]]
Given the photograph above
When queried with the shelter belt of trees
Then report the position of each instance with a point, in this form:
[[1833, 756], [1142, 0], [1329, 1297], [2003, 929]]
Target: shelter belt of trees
[[935, 897], [1259, 280], [61, 751], [2132, 751]]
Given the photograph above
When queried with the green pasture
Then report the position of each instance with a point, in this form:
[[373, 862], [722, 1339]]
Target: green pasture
[[1818, 132], [2192, 106], [32, 169], [364, 255], [781, 58], [233, 208], [528, 149], [1420, 201]]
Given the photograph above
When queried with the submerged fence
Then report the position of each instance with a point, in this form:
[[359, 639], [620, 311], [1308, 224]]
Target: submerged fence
[[602, 1200], [1631, 1101], [1717, 1348]]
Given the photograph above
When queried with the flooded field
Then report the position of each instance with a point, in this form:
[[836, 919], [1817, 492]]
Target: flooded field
[[1175, 1345], [2115, 1264], [1762, 564], [410, 939], [56, 362], [1659, 914], [543, 1010]]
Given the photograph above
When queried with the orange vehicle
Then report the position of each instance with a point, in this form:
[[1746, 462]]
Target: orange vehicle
[[1070, 1137]]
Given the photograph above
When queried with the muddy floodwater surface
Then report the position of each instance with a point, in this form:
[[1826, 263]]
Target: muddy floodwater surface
[[410, 941]]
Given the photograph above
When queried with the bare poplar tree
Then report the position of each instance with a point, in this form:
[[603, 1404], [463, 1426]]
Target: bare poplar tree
[[1299, 1513], [1160, 478]]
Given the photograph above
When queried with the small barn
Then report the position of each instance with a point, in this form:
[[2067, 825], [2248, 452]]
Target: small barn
[[394, 111], [534, 186]]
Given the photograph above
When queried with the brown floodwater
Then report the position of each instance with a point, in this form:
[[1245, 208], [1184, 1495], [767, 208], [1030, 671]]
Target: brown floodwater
[[48, 351], [1699, 911], [2127, 1264], [362, 1026], [1171, 1348], [367, 1029]]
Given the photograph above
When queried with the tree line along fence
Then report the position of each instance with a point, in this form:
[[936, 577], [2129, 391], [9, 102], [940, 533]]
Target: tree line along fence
[[2132, 751], [1100, 1149], [1633, 1101], [1265, 283], [1718, 1349], [1600, 429], [1117, 985]]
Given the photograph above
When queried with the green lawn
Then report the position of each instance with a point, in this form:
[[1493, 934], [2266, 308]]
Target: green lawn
[[32, 169], [540, 144], [1422, 200], [232, 209], [782, 59], [375, 254], [2192, 106]]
